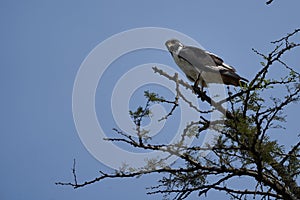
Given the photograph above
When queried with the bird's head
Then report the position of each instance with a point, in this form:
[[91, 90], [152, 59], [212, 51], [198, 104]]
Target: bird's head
[[174, 46]]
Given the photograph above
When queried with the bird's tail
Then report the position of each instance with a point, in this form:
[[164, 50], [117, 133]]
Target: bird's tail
[[232, 78], [243, 82]]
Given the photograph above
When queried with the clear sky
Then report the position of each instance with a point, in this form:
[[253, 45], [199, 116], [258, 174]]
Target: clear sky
[[43, 44]]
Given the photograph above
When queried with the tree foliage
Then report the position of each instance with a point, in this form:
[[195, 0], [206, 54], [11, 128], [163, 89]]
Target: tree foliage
[[244, 148]]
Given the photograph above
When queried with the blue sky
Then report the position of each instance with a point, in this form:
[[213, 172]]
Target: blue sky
[[43, 44]]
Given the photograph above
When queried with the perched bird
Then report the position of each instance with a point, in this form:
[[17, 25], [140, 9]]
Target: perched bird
[[202, 67]]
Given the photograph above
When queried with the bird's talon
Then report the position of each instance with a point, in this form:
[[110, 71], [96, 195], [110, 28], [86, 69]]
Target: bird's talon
[[196, 89]]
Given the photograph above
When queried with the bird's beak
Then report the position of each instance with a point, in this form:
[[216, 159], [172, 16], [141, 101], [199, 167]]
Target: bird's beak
[[167, 44]]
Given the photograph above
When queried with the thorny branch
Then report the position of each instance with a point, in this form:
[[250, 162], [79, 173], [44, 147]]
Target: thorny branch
[[74, 171], [197, 90], [243, 148]]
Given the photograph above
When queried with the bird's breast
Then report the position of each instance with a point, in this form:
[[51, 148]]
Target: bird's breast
[[187, 68]]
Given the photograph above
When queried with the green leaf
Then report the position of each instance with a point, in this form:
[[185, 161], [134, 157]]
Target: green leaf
[[263, 64]]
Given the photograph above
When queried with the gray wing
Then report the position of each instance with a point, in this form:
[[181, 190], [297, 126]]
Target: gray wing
[[219, 62], [198, 58]]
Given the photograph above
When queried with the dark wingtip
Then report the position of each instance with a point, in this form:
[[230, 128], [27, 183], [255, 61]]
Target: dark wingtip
[[243, 82]]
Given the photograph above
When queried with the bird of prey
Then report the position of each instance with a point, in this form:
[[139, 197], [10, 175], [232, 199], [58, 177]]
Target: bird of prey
[[202, 67]]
